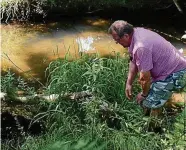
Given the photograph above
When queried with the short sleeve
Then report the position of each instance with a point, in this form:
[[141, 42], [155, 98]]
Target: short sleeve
[[144, 59]]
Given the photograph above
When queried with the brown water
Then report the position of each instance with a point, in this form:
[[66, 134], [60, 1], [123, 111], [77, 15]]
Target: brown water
[[31, 47]]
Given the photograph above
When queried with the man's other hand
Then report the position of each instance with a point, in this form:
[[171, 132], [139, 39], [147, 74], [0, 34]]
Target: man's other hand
[[139, 98]]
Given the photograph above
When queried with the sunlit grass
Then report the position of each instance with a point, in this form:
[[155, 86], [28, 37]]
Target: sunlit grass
[[105, 78], [107, 120]]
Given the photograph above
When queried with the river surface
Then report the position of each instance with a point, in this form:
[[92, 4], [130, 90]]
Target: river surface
[[29, 48]]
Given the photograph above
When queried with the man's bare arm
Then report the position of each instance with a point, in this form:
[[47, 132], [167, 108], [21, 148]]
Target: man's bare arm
[[132, 73], [131, 76], [145, 82]]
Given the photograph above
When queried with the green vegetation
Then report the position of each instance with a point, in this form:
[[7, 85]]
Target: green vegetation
[[10, 85], [107, 120], [30, 9]]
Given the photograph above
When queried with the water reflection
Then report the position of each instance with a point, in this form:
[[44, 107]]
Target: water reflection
[[85, 44]]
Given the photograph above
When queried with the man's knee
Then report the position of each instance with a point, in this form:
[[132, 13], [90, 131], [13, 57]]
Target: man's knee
[[176, 100]]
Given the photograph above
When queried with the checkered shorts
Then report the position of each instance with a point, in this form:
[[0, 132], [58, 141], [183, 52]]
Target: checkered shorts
[[161, 91]]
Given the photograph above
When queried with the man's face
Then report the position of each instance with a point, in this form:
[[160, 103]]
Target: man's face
[[124, 40]]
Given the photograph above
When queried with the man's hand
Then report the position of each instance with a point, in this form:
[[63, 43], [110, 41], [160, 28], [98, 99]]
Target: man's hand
[[128, 91], [139, 98]]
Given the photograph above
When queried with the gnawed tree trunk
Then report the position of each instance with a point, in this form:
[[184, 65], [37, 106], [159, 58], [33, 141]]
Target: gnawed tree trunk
[[51, 97]]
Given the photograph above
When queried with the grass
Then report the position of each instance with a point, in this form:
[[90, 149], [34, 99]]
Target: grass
[[100, 76], [106, 121]]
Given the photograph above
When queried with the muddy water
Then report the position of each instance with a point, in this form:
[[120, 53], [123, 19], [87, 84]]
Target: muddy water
[[31, 47]]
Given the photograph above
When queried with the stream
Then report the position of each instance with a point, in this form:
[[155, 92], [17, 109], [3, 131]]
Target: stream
[[30, 47]]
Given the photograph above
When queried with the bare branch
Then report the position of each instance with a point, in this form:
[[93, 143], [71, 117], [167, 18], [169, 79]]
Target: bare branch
[[178, 6], [8, 58]]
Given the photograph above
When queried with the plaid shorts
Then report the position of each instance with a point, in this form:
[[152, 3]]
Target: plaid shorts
[[161, 91]]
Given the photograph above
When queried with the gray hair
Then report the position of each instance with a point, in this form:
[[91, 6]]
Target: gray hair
[[121, 27]]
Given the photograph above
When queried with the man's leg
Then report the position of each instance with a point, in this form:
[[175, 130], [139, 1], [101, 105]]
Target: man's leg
[[176, 100], [161, 91], [158, 95]]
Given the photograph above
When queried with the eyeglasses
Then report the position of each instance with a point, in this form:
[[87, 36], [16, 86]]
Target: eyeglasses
[[117, 40]]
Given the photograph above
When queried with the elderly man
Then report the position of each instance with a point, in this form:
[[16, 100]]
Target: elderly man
[[161, 67]]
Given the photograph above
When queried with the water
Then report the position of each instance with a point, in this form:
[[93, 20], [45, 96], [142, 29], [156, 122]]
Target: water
[[31, 47]]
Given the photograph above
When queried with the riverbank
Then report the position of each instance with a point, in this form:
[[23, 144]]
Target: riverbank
[[104, 119], [55, 10]]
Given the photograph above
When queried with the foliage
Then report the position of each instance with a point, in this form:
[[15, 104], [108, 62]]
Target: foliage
[[10, 84], [21, 9], [107, 120], [104, 77], [107, 116], [7, 83], [27, 9]]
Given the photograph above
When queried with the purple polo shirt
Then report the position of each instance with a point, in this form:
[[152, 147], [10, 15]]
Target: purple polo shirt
[[153, 53]]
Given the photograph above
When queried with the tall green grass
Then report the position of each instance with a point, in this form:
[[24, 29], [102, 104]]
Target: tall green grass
[[10, 84], [21, 9], [92, 123], [105, 77]]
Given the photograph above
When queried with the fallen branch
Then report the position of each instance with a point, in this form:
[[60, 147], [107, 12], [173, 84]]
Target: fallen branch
[[8, 58], [178, 6], [52, 97], [90, 12]]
